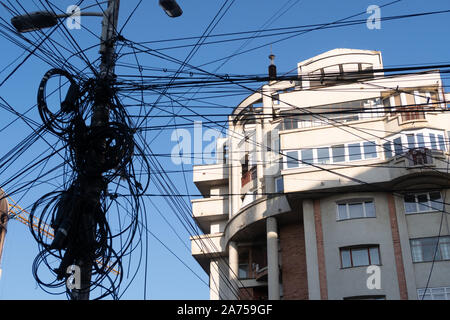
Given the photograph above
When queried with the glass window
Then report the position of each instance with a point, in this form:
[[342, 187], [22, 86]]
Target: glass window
[[374, 255], [369, 207], [354, 151], [323, 155], [411, 141], [279, 187], [346, 259], [370, 150], [433, 141], [360, 256], [342, 211], [307, 156], [420, 140], [356, 210], [292, 159], [410, 203], [441, 142], [442, 293], [423, 202], [387, 150], [436, 202], [338, 152], [429, 249], [398, 148], [353, 210]]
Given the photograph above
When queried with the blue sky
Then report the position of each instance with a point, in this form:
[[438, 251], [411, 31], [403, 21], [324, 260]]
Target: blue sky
[[421, 40]]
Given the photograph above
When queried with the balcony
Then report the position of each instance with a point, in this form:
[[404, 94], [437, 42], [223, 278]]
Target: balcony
[[207, 176], [208, 210], [418, 165], [248, 176], [203, 246], [419, 157]]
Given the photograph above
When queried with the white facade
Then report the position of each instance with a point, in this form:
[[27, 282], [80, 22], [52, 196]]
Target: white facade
[[320, 177]]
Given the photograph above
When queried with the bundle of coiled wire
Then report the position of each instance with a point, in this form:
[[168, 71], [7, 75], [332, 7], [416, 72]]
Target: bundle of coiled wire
[[79, 214]]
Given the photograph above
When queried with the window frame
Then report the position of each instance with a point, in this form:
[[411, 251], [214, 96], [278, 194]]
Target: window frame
[[436, 246], [421, 292], [359, 247], [417, 203], [355, 201]]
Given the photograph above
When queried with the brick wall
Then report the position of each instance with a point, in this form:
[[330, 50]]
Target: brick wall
[[293, 257]]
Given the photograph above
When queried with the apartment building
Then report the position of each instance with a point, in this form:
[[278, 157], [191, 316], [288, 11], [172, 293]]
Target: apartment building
[[330, 185]]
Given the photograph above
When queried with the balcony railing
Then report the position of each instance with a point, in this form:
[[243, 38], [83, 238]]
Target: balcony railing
[[419, 157]]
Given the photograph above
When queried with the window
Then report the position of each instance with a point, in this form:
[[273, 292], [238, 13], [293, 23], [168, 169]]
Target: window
[[290, 123], [279, 186], [354, 151], [425, 249], [338, 152], [292, 159], [442, 293], [360, 256], [387, 150], [433, 141], [243, 271], [423, 202], [398, 148], [353, 210], [441, 142], [370, 150], [420, 140], [307, 156], [323, 155], [411, 141]]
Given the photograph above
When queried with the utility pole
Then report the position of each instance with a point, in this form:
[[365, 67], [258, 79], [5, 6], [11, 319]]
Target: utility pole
[[100, 118], [91, 186]]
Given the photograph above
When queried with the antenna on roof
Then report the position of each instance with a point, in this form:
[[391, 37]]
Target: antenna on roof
[[272, 66]]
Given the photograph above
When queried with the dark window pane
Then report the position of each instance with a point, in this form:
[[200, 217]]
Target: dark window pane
[[354, 151], [279, 185], [436, 202], [307, 156], [338, 152], [420, 140], [292, 159], [411, 141], [422, 201], [433, 141], [360, 257], [410, 203], [441, 142], [398, 148], [428, 246], [370, 150], [387, 150], [323, 155]]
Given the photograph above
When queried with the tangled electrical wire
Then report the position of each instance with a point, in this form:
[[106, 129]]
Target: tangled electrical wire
[[98, 155]]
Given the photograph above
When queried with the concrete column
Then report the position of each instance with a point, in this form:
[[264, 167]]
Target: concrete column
[[259, 159], [272, 259], [234, 173], [214, 280], [233, 261]]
